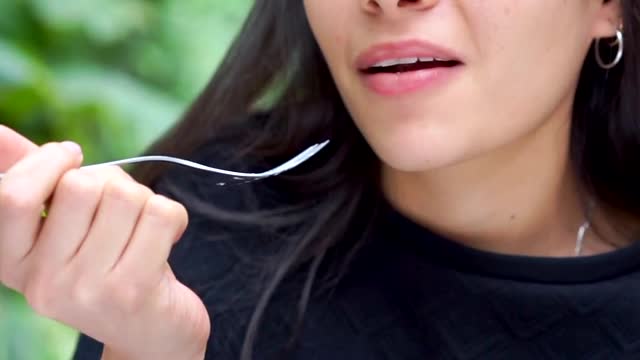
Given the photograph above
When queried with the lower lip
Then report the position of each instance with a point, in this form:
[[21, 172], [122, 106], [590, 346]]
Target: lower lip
[[393, 84]]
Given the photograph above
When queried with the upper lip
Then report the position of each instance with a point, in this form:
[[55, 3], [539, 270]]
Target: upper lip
[[403, 49]]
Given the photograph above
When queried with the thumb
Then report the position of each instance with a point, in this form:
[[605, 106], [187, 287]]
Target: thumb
[[13, 147]]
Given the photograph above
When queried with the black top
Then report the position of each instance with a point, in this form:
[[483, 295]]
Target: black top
[[412, 294]]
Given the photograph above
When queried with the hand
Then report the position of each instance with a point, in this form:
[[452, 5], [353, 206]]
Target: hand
[[98, 262]]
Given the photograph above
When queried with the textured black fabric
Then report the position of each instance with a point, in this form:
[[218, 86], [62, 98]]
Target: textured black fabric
[[411, 294]]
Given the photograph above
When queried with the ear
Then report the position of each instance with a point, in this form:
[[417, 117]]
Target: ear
[[608, 18]]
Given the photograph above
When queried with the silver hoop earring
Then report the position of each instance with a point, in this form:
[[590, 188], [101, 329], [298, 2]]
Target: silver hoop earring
[[619, 42]]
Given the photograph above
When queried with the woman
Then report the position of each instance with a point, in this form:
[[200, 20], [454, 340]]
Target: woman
[[478, 199]]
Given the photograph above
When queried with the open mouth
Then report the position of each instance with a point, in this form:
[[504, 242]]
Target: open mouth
[[405, 67], [408, 65]]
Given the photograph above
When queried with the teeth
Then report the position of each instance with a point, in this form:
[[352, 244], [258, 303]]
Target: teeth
[[394, 62], [406, 61]]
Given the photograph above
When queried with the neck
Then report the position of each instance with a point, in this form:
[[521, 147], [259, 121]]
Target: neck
[[522, 198]]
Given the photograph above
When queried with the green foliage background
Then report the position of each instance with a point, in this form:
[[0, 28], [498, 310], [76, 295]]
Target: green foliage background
[[110, 75]]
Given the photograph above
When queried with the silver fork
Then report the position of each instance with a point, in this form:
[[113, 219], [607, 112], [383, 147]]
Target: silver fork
[[235, 176]]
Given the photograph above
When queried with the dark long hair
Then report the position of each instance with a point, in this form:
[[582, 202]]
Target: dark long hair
[[275, 67]]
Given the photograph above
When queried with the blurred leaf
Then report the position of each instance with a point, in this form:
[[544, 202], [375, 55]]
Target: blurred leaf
[[210, 25], [109, 74], [18, 67], [103, 21], [142, 112]]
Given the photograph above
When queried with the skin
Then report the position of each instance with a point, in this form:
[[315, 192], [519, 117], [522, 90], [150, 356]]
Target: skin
[[483, 158], [98, 262]]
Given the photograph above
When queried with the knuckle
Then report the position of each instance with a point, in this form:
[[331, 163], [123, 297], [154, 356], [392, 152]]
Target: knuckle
[[84, 295], [168, 214], [17, 201], [124, 191], [111, 171], [75, 182], [118, 171], [182, 217], [52, 149], [181, 211], [128, 297], [158, 206], [57, 152]]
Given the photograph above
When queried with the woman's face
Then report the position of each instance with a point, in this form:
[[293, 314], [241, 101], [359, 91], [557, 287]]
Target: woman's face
[[518, 63]]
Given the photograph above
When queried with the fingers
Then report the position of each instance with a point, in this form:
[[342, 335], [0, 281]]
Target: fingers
[[71, 214], [98, 262], [122, 202], [123, 251], [13, 147], [161, 224], [23, 190]]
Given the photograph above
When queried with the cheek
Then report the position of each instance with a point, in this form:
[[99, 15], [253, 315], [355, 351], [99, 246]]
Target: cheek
[[327, 19], [529, 59], [333, 23]]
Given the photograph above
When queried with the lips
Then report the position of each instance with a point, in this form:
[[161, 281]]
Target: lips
[[399, 68], [418, 49]]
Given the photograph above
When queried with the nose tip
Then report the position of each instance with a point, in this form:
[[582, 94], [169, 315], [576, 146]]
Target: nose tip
[[391, 6]]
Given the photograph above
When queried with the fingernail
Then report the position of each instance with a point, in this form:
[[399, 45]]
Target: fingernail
[[72, 146]]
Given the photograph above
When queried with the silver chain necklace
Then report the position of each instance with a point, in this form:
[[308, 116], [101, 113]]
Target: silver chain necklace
[[583, 228], [580, 236]]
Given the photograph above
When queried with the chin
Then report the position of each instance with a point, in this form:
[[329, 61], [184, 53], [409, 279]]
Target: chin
[[415, 139], [413, 156]]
